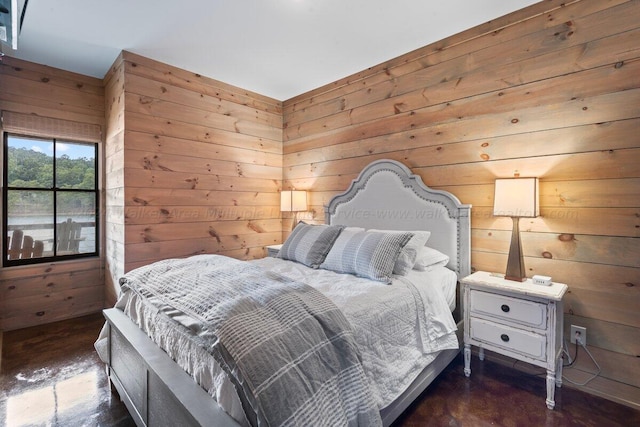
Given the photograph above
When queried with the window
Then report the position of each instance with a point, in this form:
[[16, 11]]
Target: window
[[50, 199]]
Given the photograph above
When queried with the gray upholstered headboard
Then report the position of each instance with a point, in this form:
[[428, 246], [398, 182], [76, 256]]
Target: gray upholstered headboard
[[386, 195]]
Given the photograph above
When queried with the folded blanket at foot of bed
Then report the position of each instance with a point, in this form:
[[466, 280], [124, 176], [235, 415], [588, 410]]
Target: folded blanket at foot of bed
[[289, 350]]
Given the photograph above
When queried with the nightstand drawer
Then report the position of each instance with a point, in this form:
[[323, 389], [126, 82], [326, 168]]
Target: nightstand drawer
[[525, 312], [515, 340]]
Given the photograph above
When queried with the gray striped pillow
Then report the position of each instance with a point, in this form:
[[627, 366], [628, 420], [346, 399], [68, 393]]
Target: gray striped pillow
[[309, 244], [366, 254], [409, 253]]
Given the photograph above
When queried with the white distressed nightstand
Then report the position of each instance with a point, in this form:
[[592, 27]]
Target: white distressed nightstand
[[516, 319], [273, 250]]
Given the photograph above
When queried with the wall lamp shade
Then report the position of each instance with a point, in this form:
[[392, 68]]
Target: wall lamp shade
[[516, 198], [293, 201]]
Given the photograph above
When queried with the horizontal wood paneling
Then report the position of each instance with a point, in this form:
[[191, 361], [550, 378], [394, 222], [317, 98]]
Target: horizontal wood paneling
[[150, 160], [37, 294], [159, 92], [494, 32], [552, 91], [114, 178], [622, 251], [211, 244], [137, 196], [241, 253], [145, 178], [201, 165], [147, 233], [511, 42], [169, 145], [148, 68], [141, 215], [46, 293]]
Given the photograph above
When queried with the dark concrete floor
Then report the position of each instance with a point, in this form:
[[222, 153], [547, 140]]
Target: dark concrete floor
[[51, 376]]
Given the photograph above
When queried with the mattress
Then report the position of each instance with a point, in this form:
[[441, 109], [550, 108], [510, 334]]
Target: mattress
[[394, 351]]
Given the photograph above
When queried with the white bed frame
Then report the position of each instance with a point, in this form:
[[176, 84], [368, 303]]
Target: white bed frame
[[386, 195]]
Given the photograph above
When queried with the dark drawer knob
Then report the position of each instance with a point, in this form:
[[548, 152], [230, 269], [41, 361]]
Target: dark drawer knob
[[504, 337], [505, 308]]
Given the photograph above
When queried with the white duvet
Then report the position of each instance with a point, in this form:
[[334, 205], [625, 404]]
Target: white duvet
[[394, 351], [395, 347]]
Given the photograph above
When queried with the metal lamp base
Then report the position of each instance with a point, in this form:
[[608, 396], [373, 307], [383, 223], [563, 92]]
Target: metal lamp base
[[515, 262]]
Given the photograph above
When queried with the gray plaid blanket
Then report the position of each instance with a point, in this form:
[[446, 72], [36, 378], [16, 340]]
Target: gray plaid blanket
[[288, 349]]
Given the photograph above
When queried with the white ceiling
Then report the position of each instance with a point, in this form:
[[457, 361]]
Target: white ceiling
[[277, 48]]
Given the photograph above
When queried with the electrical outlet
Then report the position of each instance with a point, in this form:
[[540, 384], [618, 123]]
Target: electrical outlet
[[582, 333]]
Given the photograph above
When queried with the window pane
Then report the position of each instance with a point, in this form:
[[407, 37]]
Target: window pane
[[76, 222], [30, 222], [75, 165], [29, 162]]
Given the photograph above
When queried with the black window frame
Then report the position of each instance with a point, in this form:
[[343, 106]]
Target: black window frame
[[55, 191]]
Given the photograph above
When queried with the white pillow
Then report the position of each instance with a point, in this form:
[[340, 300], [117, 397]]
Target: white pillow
[[429, 258], [407, 258]]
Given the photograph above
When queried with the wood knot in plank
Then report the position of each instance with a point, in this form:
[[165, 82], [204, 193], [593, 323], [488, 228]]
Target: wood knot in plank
[[255, 227], [567, 237], [399, 107], [215, 235], [140, 201]]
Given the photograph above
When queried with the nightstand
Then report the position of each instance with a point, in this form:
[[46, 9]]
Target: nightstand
[[516, 319], [273, 250]]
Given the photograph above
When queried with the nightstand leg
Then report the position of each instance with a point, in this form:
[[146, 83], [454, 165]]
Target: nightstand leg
[[551, 388], [481, 353], [467, 360]]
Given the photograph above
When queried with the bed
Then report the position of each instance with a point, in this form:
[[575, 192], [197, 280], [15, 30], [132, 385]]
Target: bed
[[386, 199]]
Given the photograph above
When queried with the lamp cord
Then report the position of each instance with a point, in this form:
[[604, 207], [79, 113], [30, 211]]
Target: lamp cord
[[579, 341]]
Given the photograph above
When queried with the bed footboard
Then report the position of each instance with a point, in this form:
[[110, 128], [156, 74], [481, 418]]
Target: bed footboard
[[152, 386]]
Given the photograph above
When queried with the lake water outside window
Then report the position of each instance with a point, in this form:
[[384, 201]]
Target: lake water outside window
[[51, 199]]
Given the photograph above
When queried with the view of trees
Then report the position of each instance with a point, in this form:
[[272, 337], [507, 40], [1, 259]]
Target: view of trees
[[30, 169]]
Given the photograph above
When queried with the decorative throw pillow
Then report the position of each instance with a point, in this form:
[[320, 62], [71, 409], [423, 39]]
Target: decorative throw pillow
[[309, 244], [366, 253], [429, 258], [407, 258]]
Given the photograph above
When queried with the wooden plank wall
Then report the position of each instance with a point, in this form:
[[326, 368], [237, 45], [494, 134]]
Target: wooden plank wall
[[39, 294], [551, 91], [199, 167], [114, 179]]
